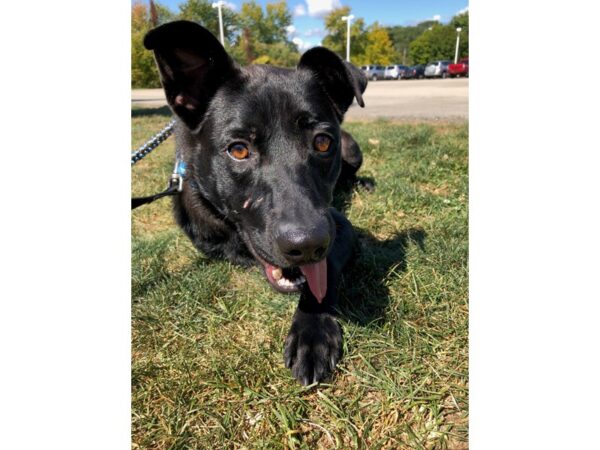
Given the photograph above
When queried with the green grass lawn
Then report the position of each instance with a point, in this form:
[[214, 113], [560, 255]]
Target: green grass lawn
[[207, 336]]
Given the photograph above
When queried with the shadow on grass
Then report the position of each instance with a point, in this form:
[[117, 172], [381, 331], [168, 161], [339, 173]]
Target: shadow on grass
[[162, 111], [364, 296], [342, 197]]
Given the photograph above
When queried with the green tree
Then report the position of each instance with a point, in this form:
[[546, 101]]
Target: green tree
[[462, 21], [143, 69], [337, 34], [439, 41], [159, 14], [252, 19], [436, 43], [279, 54], [278, 18], [263, 38], [202, 12], [402, 37], [164, 14], [266, 28]]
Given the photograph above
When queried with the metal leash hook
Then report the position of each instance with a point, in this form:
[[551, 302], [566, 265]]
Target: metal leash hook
[[175, 185], [177, 175]]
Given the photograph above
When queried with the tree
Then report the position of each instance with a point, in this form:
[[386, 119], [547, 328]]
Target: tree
[[462, 21], [436, 43], [279, 54], [252, 20], [143, 69], [439, 42], [263, 38], [379, 48], [159, 14], [402, 37], [202, 12], [277, 20], [337, 34], [266, 28]]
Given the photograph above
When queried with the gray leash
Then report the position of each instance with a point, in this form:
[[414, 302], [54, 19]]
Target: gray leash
[[175, 185], [154, 142]]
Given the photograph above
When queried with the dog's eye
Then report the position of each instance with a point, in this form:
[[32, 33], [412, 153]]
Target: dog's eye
[[322, 143], [239, 151]]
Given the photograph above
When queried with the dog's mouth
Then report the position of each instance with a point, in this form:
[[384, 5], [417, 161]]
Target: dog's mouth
[[284, 279], [292, 279]]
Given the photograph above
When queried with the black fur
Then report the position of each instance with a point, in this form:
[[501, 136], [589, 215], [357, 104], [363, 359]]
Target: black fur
[[255, 210]]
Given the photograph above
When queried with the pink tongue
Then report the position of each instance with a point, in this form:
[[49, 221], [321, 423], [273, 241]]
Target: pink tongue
[[316, 276]]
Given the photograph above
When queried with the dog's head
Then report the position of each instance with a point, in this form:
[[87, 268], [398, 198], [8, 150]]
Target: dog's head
[[263, 144]]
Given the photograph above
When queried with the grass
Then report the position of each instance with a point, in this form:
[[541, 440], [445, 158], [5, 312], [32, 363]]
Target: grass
[[207, 336]]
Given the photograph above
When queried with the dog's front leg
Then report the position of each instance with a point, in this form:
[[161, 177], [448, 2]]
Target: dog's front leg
[[314, 344]]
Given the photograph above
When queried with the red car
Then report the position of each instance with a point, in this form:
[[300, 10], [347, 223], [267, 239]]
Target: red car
[[460, 69]]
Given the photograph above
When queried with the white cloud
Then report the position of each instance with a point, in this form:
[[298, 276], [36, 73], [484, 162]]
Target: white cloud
[[299, 10], [462, 11], [290, 30], [231, 6], [302, 45], [437, 18], [314, 32], [320, 8]]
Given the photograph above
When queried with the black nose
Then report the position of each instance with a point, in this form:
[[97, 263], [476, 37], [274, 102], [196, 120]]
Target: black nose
[[302, 245]]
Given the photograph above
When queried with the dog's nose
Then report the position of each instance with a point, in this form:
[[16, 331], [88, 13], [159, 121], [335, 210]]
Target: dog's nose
[[303, 245]]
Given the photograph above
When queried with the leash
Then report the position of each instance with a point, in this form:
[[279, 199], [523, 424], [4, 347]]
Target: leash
[[175, 185], [154, 142]]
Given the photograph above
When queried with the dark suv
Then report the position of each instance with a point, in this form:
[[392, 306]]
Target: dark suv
[[415, 72]]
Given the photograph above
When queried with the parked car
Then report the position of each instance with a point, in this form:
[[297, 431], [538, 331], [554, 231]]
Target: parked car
[[395, 72], [437, 69], [374, 72], [460, 69], [415, 72]]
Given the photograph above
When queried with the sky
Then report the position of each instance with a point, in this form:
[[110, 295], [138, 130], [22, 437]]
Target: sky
[[308, 29]]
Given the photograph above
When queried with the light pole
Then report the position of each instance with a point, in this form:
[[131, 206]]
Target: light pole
[[348, 19], [219, 5], [458, 30]]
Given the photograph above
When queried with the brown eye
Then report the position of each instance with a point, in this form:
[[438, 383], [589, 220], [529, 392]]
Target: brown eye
[[239, 151], [322, 143]]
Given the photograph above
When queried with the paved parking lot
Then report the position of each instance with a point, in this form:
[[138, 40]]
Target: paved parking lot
[[404, 99], [414, 99]]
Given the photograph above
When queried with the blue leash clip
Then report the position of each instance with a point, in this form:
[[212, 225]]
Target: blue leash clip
[[178, 174]]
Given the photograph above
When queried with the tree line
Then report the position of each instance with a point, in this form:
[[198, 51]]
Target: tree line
[[257, 35]]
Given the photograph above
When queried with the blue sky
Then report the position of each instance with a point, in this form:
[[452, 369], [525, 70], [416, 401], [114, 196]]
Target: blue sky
[[308, 28]]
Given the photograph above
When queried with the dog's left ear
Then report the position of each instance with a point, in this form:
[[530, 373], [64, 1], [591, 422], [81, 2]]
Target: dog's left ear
[[340, 80], [192, 64]]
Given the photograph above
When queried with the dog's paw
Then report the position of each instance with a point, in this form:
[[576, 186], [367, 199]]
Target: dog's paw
[[313, 347]]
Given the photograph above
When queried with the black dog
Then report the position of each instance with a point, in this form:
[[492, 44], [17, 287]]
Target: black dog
[[263, 150]]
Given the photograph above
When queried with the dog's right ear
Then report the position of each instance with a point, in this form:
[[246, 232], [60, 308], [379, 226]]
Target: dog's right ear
[[192, 65]]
